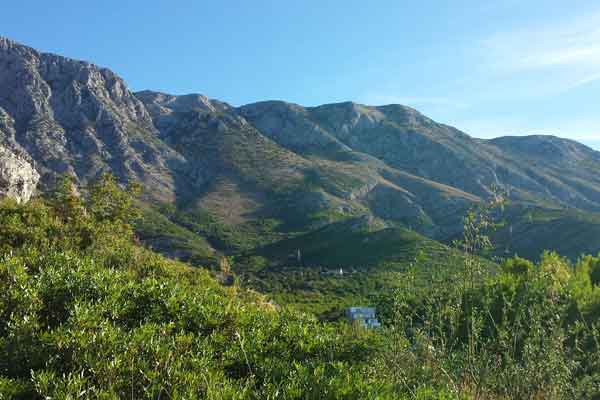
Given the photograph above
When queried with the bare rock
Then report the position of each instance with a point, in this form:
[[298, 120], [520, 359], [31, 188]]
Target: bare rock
[[18, 178], [77, 118]]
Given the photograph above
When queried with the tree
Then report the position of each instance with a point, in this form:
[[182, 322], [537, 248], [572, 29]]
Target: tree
[[225, 266], [594, 263], [109, 202], [66, 200]]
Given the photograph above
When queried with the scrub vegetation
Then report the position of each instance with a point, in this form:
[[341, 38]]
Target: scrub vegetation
[[87, 312]]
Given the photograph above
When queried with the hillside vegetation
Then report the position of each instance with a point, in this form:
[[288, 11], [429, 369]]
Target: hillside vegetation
[[339, 265], [226, 276], [88, 313]]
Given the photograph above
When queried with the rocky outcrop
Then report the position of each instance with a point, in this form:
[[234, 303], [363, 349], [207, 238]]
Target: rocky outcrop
[[75, 117], [166, 110], [18, 179], [290, 126]]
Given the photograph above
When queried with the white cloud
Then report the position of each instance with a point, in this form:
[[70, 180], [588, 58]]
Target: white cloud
[[583, 81], [567, 52]]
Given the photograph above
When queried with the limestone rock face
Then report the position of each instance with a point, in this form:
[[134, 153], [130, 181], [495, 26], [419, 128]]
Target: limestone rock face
[[290, 126], [77, 118], [18, 179], [166, 109]]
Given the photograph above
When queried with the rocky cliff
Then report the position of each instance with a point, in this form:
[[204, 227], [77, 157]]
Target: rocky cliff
[[18, 179], [75, 117]]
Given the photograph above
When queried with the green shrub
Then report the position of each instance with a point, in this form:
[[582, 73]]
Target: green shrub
[[106, 318]]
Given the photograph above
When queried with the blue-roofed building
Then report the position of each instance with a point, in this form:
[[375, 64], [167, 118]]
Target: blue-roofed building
[[364, 316]]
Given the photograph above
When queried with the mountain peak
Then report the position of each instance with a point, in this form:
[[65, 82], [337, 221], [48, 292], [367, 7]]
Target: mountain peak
[[545, 146], [179, 103], [6, 43], [74, 117], [279, 106]]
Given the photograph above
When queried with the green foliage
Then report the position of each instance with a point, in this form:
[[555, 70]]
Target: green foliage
[[85, 312], [225, 237], [108, 202], [370, 263], [527, 331], [161, 234], [594, 270], [531, 230], [518, 266], [117, 321]]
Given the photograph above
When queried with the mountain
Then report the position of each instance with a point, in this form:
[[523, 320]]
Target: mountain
[[225, 179], [74, 117], [544, 168]]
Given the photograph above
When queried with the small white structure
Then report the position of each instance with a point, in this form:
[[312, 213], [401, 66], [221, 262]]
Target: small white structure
[[364, 316]]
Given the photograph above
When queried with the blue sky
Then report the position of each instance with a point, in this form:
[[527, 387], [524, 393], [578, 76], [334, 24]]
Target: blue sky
[[489, 68]]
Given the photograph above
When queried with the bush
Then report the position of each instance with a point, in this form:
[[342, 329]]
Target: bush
[[86, 312], [105, 318]]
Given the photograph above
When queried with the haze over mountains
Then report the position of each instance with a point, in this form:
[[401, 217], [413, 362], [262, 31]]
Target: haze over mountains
[[300, 168]]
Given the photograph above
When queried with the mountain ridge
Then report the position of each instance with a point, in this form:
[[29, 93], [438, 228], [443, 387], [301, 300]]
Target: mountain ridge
[[299, 167]]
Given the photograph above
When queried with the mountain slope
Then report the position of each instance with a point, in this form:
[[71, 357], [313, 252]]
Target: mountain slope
[[74, 117], [250, 176], [342, 264], [408, 141]]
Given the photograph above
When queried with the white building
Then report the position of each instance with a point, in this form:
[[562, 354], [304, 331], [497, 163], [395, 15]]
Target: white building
[[364, 316]]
